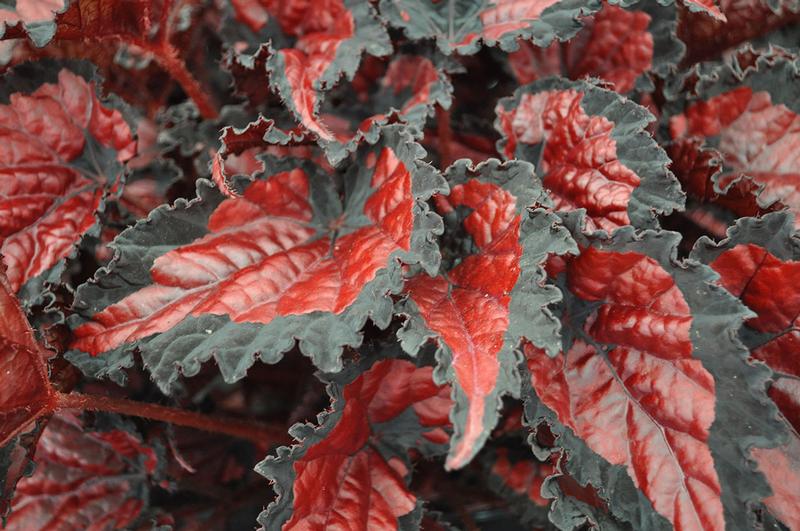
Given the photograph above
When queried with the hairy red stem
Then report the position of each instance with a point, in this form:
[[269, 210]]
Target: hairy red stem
[[256, 432], [167, 57]]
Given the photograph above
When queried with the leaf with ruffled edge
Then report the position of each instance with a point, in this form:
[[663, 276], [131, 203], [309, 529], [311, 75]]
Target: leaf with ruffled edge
[[462, 26], [591, 151], [63, 149], [650, 343], [308, 47], [351, 469], [407, 91], [759, 263], [235, 278], [748, 116], [479, 308], [620, 46]]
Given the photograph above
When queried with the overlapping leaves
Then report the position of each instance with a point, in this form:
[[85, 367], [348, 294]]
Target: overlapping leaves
[[740, 138], [351, 470], [617, 45], [659, 392], [306, 48], [235, 277], [641, 335], [758, 255], [482, 304]]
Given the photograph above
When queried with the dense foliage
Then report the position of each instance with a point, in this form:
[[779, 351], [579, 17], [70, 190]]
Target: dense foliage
[[400, 264]]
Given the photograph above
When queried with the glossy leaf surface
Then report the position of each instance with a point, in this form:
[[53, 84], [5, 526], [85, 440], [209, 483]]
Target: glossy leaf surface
[[233, 276], [592, 151]]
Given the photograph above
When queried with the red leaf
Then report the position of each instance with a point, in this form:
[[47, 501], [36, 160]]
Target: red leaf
[[264, 243], [342, 480], [506, 16], [464, 25], [468, 308], [615, 45], [327, 40], [290, 260], [83, 480], [579, 160], [756, 139], [781, 466], [645, 403], [48, 197], [25, 394], [752, 273]]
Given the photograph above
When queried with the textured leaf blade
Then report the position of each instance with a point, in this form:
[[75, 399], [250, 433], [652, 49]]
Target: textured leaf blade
[[471, 308], [629, 348], [463, 25], [592, 151], [84, 480], [757, 256], [41, 20], [311, 268], [328, 41], [709, 37], [617, 45], [750, 125], [63, 149], [620, 415], [341, 473]]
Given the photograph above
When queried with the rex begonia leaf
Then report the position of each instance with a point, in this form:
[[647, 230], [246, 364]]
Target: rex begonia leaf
[[83, 479], [649, 346], [463, 25], [759, 263], [591, 151], [616, 45], [285, 260], [62, 150], [749, 117], [479, 308], [350, 470], [311, 46]]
